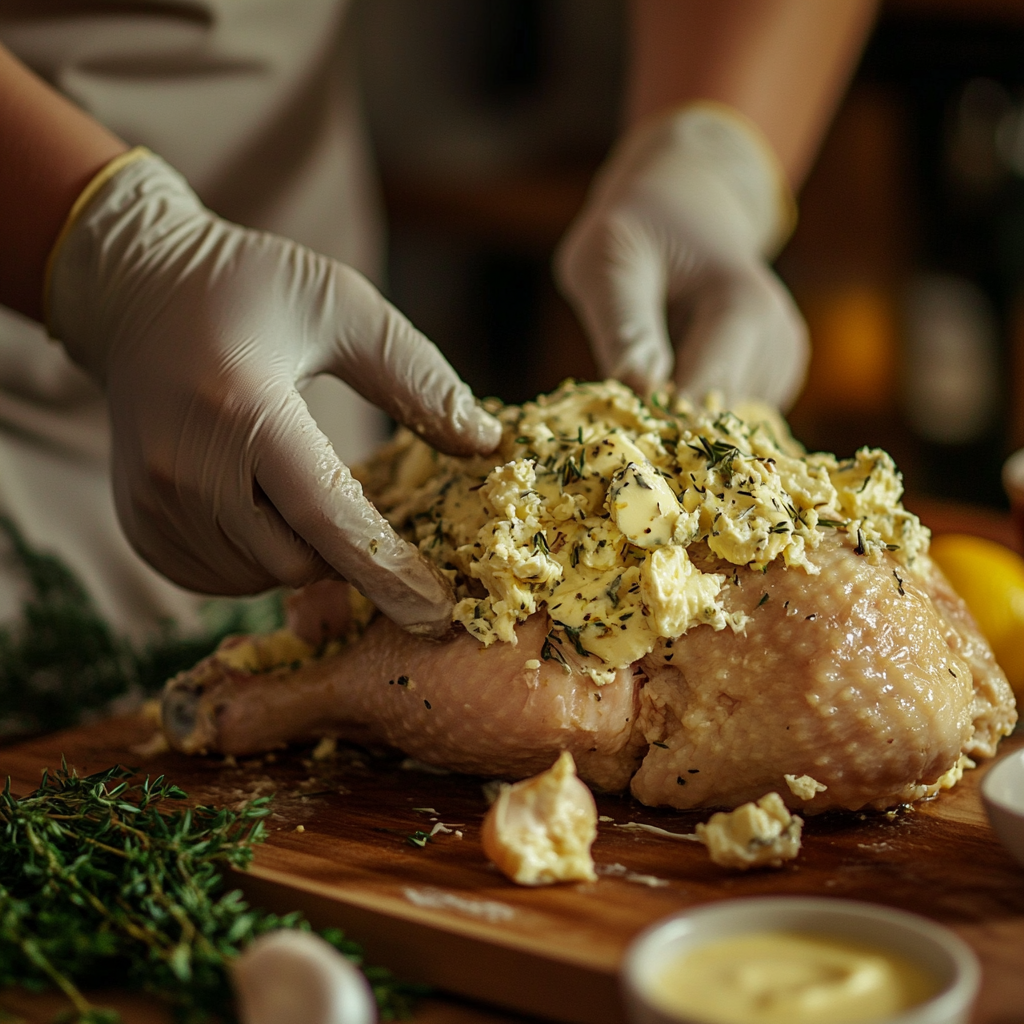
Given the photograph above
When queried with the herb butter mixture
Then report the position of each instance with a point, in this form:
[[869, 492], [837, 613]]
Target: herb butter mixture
[[591, 503]]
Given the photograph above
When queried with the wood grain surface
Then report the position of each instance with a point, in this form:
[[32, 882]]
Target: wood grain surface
[[442, 914]]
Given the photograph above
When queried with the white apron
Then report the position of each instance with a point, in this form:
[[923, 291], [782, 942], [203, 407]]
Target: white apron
[[255, 103]]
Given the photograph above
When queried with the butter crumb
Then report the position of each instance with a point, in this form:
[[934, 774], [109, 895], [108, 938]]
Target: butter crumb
[[540, 830], [753, 835], [533, 663], [300, 828], [804, 787], [325, 749]]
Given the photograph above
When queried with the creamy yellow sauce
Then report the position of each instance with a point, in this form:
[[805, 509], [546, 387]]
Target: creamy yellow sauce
[[789, 978], [590, 504]]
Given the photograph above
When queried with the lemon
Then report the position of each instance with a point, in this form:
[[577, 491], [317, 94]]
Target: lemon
[[990, 578]]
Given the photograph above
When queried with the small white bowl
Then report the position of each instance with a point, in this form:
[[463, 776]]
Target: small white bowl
[[1002, 793], [936, 950]]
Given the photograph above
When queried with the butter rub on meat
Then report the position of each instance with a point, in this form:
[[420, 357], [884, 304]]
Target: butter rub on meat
[[676, 595]]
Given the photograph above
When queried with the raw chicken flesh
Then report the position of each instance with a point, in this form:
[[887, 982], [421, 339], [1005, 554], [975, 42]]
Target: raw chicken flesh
[[679, 596], [870, 678]]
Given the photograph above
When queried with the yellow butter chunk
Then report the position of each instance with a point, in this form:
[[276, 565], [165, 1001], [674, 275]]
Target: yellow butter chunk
[[593, 500], [540, 830], [753, 835], [260, 652]]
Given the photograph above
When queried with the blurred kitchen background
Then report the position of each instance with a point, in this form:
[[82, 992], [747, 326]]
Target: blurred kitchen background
[[908, 261]]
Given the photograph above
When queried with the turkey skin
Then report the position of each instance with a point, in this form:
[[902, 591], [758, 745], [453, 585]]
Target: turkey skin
[[869, 678]]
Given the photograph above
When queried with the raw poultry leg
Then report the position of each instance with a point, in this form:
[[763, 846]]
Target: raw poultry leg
[[456, 704], [869, 678]]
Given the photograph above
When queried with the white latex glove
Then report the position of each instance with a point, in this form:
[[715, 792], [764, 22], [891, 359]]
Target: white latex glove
[[292, 977], [667, 262], [202, 333]]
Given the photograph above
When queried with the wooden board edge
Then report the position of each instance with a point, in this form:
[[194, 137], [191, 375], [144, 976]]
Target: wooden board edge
[[502, 975]]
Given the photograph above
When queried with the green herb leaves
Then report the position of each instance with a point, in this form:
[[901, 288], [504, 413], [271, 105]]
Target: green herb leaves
[[62, 659], [100, 886]]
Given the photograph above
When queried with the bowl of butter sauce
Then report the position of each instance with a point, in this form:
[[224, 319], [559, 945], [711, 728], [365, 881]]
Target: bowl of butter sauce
[[798, 960]]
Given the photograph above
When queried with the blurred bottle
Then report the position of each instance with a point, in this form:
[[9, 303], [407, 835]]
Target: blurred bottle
[[951, 388], [854, 333]]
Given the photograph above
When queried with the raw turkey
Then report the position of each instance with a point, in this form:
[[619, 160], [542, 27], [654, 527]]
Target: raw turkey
[[870, 678]]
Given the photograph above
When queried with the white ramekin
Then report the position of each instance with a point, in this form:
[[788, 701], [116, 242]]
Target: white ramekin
[[928, 945], [1002, 793]]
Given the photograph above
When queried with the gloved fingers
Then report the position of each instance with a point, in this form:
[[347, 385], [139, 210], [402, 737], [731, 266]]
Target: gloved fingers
[[378, 352], [322, 502], [612, 274], [743, 337], [245, 547]]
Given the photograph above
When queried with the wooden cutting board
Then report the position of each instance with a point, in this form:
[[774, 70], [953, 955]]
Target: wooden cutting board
[[441, 914]]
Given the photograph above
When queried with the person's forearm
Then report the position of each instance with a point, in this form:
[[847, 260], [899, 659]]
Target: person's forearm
[[51, 150], [782, 63]]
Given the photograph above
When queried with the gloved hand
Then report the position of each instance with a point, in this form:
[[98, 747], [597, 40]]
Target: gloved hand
[[667, 262], [202, 332]]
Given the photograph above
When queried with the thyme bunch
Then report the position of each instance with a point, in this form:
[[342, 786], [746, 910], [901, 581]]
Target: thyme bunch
[[62, 660], [100, 886]]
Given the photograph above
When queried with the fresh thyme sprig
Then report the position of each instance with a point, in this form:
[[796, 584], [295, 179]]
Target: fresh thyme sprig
[[99, 886], [62, 660]]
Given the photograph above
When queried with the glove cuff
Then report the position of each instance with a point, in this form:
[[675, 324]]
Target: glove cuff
[[120, 215], [720, 141], [85, 197]]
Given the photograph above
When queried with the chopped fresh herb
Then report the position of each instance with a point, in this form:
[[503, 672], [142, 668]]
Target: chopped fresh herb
[[540, 543], [573, 633], [899, 583], [859, 549], [403, 680], [764, 599], [522, 440], [658, 743], [718, 453], [419, 838], [680, 781], [612, 593], [549, 653], [831, 524], [570, 471]]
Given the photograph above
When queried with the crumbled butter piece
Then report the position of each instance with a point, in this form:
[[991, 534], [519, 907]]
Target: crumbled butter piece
[[589, 504], [804, 787], [540, 830], [261, 652], [325, 749], [753, 835]]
